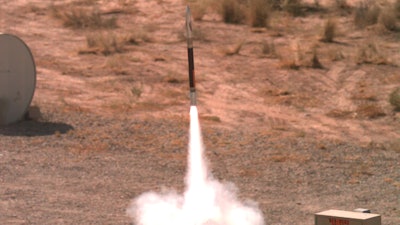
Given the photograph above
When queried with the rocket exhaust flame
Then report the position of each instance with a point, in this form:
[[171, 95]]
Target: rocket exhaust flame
[[205, 201]]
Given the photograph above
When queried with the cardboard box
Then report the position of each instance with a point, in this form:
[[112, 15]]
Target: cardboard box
[[339, 217]]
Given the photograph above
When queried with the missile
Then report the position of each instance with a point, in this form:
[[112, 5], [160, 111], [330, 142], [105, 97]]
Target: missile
[[190, 57]]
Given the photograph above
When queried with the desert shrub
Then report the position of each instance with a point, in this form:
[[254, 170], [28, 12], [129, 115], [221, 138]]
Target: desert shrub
[[259, 12], [233, 50], [370, 111], [211, 118], [336, 54], [370, 53], [394, 99], [268, 48], [342, 4], [366, 15], [295, 60], [315, 63], [137, 91], [289, 64], [199, 9], [294, 7], [232, 11], [338, 113], [329, 31], [139, 35], [389, 20], [395, 145], [105, 44], [76, 17], [396, 8], [276, 4]]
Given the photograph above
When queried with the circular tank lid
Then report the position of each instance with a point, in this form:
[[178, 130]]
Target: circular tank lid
[[17, 78]]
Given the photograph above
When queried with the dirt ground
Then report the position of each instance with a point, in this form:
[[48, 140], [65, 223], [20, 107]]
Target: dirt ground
[[296, 139]]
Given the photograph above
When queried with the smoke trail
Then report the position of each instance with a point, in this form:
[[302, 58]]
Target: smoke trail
[[205, 201]]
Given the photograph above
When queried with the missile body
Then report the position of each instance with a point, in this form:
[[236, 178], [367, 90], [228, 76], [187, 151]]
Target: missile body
[[190, 57]]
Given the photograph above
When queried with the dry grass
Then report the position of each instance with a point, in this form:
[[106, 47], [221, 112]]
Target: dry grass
[[371, 53], [364, 95], [296, 59], [148, 106], [342, 114], [137, 90], [293, 61], [286, 63], [289, 157], [199, 35], [259, 13], [395, 146], [394, 99], [366, 15], [369, 111], [342, 4], [199, 9], [104, 43], [268, 48], [294, 7], [139, 35], [359, 171], [233, 50], [232, 12], [211, 118], [396, 7], [336, 54], [389, 19], [83, 17], [315, 63], [330, 30], [275, 4], [117, 64]]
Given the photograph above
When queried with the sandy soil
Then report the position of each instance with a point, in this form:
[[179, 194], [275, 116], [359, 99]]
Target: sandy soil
[[298, 141]]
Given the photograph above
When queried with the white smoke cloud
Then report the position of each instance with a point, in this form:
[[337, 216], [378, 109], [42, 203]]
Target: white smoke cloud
[[205, 201]]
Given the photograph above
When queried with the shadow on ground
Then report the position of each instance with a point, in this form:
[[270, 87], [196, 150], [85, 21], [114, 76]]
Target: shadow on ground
[[33, 128]]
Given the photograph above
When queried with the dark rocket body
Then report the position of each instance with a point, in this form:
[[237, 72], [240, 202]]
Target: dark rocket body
[[192, 85]]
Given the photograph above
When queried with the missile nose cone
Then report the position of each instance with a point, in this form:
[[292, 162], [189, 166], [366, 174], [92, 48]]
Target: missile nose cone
[[189, 27], [190, 57]]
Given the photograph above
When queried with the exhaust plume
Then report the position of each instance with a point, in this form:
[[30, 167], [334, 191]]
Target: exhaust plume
[[205, 200]]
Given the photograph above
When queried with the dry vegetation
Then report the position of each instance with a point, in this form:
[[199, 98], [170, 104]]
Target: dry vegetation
[[277, 18], [366, 14], [232, 11], [259, 13], [329, 30], [395, 99], [105, 43], [82, 16]]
